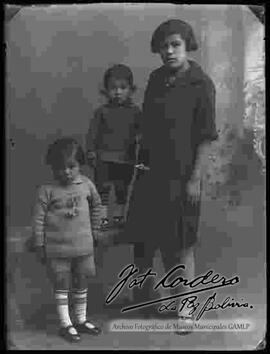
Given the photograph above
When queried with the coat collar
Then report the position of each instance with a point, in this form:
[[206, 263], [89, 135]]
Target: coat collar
[[193, 75]]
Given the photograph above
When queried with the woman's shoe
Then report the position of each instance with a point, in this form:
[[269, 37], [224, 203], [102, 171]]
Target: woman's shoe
[[70, 336], [185, 325], [88, 327]]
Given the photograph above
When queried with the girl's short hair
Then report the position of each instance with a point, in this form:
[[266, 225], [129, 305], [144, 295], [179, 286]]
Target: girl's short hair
[[174, 26], [120, 72], [63, 149]]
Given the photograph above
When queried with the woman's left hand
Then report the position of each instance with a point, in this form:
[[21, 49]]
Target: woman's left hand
[[194, 190]]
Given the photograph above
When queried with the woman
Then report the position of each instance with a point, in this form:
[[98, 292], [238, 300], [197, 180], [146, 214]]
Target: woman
[[178, 125]]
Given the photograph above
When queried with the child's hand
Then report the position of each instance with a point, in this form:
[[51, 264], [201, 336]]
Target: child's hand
[[41, 254], [138, 138], [142, 166], [91, 155]]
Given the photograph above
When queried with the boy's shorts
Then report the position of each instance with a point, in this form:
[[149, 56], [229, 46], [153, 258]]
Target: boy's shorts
[[82, 265]]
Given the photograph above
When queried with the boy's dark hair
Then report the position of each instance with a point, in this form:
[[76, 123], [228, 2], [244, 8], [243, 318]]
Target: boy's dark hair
[[174, 26], [64, 148], [120, 72]]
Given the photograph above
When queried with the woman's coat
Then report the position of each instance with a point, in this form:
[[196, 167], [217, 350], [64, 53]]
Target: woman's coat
[[178, 116]]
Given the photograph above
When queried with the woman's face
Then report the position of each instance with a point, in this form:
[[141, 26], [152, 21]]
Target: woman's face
[[173, 51]]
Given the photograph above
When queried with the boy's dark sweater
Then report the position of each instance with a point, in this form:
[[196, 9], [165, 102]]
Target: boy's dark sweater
[[112, 131]]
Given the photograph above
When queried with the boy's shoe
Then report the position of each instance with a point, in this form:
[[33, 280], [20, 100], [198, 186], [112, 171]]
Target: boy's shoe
[[88, 327], [69, 336], [185, 324]]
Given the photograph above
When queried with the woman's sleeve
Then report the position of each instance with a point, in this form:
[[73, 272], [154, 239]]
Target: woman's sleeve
[[39, 216], [205, 125], [92, 134], [138, 121], [146, 124], [148, 93]]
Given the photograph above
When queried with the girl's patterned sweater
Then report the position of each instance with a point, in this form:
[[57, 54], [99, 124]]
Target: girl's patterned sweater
[[66, 218]]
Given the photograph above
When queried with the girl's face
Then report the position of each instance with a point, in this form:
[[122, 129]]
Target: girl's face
[[173, 51], [118, 90], [67, 172]]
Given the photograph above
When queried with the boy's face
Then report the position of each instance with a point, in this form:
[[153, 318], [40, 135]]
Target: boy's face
[[67, 172], [173, 51], [118, 90]]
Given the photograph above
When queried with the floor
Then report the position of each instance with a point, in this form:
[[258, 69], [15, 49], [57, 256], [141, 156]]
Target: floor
[[232, 243]]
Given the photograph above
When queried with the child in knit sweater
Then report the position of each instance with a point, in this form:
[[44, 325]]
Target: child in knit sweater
[[113, 133], [66, 221]]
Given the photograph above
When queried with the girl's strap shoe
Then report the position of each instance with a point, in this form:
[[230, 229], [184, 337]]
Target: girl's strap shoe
[[88, 327], [70, 336]]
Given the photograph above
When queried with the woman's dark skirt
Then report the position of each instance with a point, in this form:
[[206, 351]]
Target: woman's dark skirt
[[161, 214]]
